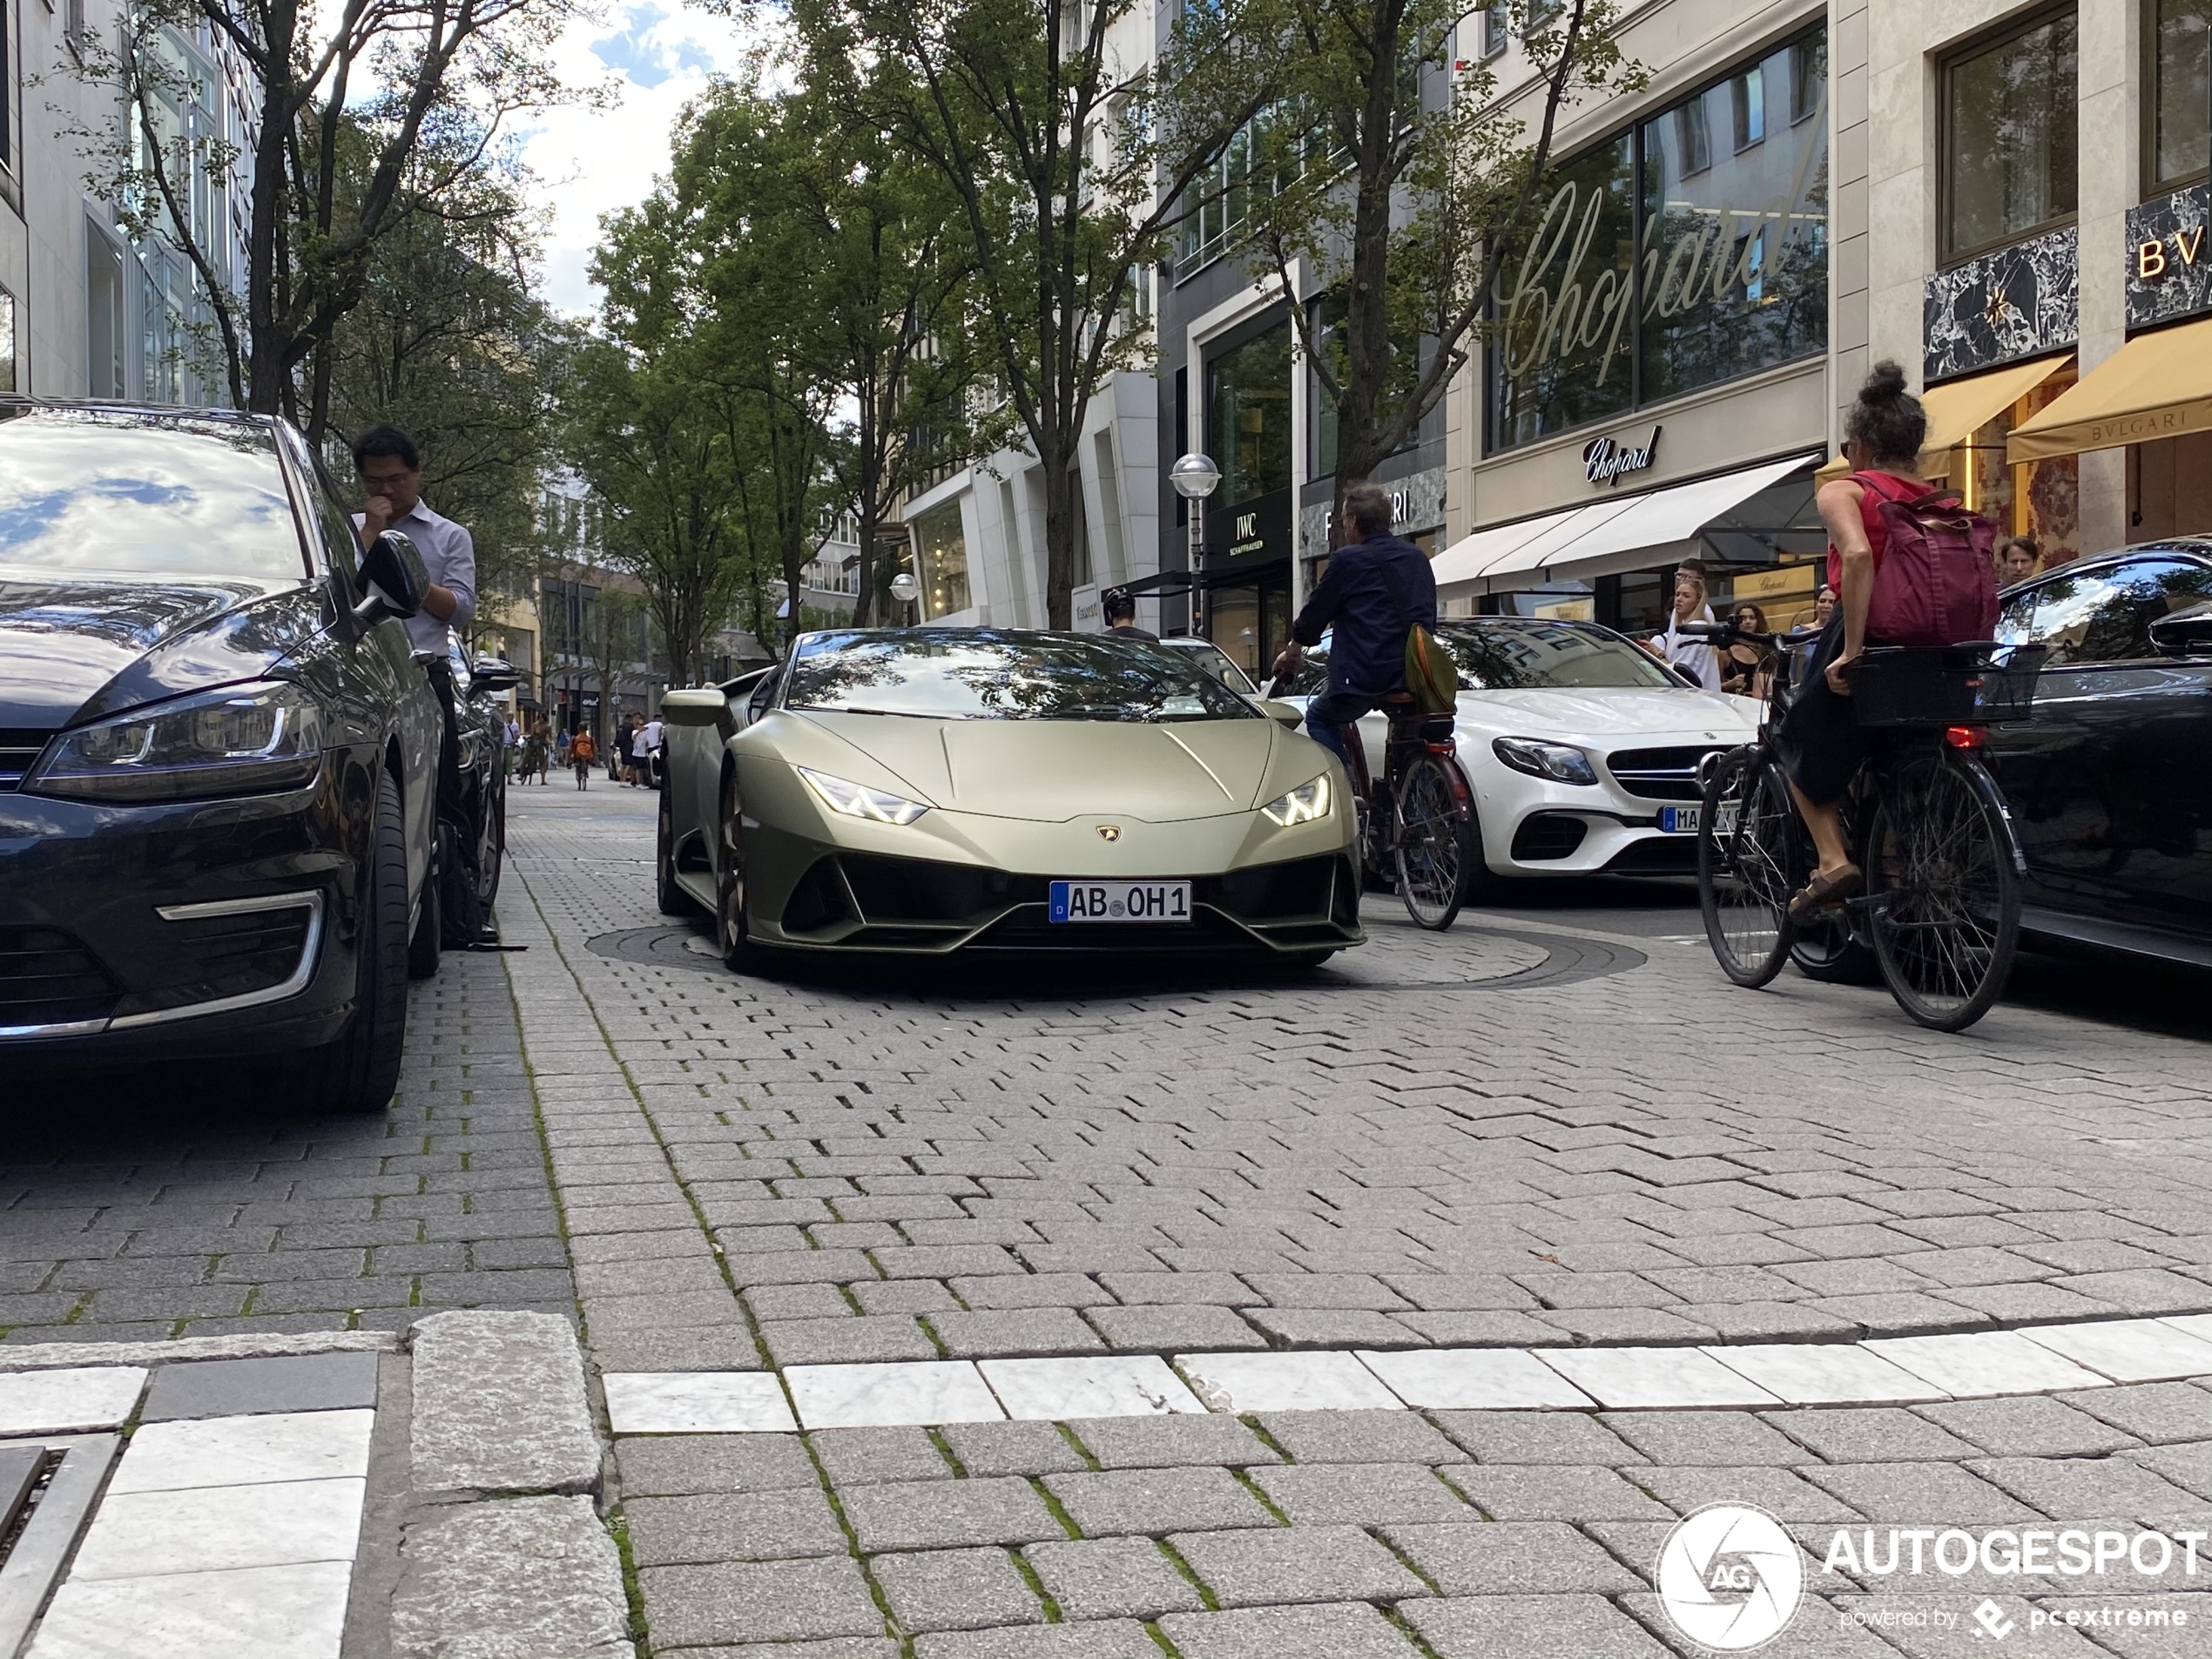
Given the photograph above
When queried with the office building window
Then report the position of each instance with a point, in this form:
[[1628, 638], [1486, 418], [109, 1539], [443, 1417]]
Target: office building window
[[2179, 86], [1747, 99], [1248, 416], [1497, 28], [7, 341], [2009, 164], [105, 339]]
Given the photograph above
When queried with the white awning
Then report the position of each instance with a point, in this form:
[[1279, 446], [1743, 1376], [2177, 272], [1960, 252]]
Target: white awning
[[1626, 533]]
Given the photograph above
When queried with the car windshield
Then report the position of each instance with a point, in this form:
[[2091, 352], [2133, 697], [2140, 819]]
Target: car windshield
[[1548, 656], [93, 493], [1004, 674], [1216, 661]]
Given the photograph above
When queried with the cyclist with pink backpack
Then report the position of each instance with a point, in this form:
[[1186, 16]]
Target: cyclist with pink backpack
[[1913, 569]]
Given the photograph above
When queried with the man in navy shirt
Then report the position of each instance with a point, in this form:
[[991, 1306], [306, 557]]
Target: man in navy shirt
[[1377, 588]]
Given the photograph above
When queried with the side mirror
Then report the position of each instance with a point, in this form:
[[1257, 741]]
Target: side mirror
[[492, 674], [696, 705], [2186, 633], [394, 574], [1286, 715]]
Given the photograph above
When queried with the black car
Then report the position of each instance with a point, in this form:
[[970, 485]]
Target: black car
[[217, 760], [458, 908], [2110, 782]]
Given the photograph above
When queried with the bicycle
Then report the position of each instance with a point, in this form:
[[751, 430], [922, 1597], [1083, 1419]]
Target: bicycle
[[1924, 820], [1428, 837]]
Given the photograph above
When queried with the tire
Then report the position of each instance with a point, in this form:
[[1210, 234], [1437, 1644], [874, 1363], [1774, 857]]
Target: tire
[[358, 1071], [1747, 854], [1944, 899], [1436, 842], [491, 848], [667, 893], [422, 947], [733, 920]]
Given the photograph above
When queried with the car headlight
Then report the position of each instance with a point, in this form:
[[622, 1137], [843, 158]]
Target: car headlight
[[1561, 762], [242, 740], [1302, 806], [858, 800]]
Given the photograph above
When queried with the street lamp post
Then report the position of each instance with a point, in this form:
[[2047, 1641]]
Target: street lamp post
[[1195, 477], [905, 590]]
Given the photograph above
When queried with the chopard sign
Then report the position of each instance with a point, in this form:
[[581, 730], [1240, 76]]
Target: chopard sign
[[1604, 460]]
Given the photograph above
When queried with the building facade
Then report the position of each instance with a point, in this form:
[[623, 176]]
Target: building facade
[[1658, 384], [87, 309], [2035, 215]]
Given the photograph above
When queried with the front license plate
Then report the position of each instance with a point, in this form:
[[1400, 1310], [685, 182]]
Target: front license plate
[[1121, 901], [1679, 821]]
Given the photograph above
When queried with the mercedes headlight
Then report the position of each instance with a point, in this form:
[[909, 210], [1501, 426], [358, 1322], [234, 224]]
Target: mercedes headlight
[[858, 800], [1302, 806], [242, 740], [1561, 762]]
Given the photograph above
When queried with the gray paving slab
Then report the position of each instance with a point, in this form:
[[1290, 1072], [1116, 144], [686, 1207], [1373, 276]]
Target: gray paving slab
[[1110, 1578], [318, 1382], [956, 1589], [1512, 1558], [1342, 1630], [1530, 1627], [1250, 1568], [1107, 1502]]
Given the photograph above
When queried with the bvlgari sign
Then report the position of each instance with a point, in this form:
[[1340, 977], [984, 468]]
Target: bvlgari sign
[[2170, 261], [1606, 461]]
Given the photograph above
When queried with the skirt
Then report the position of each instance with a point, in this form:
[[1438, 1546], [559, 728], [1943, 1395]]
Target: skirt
[[1821, 742]]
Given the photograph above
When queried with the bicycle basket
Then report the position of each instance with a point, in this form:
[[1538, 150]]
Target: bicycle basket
[[1954, 686]]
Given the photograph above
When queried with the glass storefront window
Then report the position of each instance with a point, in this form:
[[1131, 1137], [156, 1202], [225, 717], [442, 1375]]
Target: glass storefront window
[[1562, 353], [942, 549], [1690, 251], [1735, 255], [2010, 166], [2181, 88], [1248, 415]]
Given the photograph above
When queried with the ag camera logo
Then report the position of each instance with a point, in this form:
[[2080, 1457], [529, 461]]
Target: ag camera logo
[[1731, 1578]]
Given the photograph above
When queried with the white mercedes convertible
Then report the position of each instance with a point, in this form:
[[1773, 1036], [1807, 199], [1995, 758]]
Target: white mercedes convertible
[[1582, 752]]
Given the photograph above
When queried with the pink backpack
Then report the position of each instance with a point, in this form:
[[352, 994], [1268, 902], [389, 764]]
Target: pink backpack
[[1935, 575]]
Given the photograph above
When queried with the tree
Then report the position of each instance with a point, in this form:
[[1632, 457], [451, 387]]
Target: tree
[[892, 283], [1042, 118], [655, 452], [345, 97], [449, 342], [1400, 190]]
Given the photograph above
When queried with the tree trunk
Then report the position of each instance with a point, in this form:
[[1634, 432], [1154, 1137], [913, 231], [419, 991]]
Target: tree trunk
[[1062, 501]]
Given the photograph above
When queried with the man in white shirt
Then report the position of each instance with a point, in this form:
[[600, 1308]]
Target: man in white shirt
[[1682, 651], [649, 737], [391, 473]]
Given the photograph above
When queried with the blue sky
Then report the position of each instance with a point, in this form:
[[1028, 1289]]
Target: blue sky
[[659, 56]]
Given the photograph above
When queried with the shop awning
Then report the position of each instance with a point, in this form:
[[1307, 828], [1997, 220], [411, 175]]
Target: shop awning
[[1957, 409], [1625, 533], [2156, 386]]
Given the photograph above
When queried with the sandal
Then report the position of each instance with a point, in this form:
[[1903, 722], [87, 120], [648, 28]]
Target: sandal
[[1827, 892]]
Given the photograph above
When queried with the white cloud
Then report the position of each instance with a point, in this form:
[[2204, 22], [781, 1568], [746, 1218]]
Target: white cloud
[[591, 162]]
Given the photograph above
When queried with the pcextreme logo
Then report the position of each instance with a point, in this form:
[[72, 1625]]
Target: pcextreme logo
[[1729, 1577]]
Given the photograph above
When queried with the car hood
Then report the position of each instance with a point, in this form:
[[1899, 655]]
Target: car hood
[[1054, 770], [74, 648], [1626, 713]]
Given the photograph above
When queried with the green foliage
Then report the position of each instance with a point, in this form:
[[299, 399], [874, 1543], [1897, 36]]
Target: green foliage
[[1397, 185], [1042, 121]]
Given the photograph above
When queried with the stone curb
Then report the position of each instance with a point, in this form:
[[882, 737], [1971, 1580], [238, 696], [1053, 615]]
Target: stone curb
[[526, 1578], [500, 1405], [48, 1356]]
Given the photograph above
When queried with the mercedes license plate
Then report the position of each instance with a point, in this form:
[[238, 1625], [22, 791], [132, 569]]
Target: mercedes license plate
[[1679, 821], [1121, 901]]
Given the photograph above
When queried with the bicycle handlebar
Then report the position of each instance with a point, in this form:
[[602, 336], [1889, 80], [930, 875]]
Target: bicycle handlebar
[[1727, 633]]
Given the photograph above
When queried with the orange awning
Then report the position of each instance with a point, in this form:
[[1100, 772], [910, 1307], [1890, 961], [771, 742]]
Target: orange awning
[[2156, 386]]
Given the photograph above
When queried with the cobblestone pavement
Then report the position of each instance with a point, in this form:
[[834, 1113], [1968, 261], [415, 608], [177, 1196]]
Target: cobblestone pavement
[[1525, 1132], [177, 1202]]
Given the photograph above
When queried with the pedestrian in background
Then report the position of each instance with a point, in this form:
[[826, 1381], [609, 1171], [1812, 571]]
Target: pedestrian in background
[[535, 743], [1747, 670], [2016, 560], [583, 752], [1683, 651], [648, 742], [625, 750], [561, 741]]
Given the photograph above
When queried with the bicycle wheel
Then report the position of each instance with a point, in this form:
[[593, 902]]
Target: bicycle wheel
[[1944, 900], [1745, 866], [1435, 843]]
